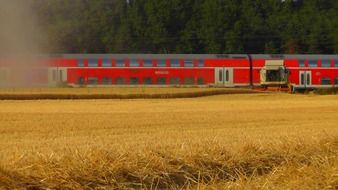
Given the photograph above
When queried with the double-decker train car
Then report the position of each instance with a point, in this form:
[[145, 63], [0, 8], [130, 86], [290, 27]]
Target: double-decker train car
[[228, 70]]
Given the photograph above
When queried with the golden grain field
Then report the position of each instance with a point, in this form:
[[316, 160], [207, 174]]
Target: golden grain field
[[251, 141]]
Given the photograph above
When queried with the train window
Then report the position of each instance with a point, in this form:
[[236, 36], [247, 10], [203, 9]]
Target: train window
[[189, 80], [161, 81], [60, 75], [188, 63], [147, 63], [302, 78], [148, 81], [200, 81], [336, 81], [313, 63], [227, 75], [92, 63], [200, 63], [120, 81], [175, 63], [80, 63], [134, 63], [308, 79], [326, 81], [336, 63], [106, 63], [161, 63], [107, 81], [92, 80], [134, 81], [326, 63], [81, 80], [220, 75], [120, 63], [301, 63], [174, 80]]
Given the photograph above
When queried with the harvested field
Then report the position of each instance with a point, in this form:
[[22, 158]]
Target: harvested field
[[116, 93], [246, 141]]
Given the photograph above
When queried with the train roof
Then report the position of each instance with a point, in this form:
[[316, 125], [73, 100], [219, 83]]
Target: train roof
[[294, 56], [158, 56], [200, 56], [182, 56]]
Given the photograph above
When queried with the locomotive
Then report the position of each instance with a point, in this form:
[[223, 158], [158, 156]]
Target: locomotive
[[224, 70]]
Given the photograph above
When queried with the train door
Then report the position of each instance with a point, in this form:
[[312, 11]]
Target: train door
[[224, 76], [57, 76], [305, 79]]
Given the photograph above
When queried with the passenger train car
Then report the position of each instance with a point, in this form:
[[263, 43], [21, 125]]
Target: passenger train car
[[227, 70]]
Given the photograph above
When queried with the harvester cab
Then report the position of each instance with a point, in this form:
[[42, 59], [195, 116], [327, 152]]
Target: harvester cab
[[274, 73]]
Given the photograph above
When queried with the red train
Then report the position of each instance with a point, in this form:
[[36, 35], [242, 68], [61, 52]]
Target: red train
[[229, 70]]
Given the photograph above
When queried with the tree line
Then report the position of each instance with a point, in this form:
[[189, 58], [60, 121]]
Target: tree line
[[190, 26]]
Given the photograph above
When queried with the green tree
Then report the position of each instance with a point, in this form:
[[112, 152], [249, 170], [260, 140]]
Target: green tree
[[191, 26]]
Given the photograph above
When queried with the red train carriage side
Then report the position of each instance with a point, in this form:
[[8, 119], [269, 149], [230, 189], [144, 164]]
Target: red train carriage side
[[164, 70], [300, 71], [313, 71]]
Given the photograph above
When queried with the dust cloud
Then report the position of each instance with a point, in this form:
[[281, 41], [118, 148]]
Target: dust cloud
[[21, 40]]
